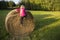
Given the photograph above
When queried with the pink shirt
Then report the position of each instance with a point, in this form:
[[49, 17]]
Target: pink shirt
[[21, 11]]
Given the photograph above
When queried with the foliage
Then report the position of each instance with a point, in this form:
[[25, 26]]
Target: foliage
[[11, 3], [3, 5], [6, 4], [42, 4]]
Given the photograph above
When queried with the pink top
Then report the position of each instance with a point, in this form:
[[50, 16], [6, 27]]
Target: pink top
[[18, 10], [21, 11]]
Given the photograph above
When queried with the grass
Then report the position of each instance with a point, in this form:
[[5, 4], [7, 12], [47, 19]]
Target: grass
[[3, 32], [47, 25]]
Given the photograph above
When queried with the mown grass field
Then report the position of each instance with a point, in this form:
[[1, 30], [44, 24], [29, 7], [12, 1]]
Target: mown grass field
[[47, 25]]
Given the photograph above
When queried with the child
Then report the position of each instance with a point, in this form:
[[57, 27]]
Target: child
[[22, 13]]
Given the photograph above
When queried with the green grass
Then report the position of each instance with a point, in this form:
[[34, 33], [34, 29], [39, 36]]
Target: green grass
[[3, 33], [47, 25]]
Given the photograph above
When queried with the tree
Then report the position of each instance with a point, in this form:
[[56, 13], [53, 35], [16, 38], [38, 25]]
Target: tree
[[3, 4], [51, 5], [11, 4]]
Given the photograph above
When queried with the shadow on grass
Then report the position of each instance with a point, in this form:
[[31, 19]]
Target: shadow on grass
[[41, 22], [53, 34], [57, 33]]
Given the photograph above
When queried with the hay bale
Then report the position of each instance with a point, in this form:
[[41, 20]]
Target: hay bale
[[14, 27]]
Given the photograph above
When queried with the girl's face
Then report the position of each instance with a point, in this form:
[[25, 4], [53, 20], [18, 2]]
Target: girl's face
[[22, 6]]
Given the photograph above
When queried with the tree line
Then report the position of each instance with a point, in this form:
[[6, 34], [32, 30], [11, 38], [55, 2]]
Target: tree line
[[49, 5], [6, 4]]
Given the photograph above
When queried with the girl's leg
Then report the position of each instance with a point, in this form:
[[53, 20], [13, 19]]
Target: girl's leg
[[21, 20]]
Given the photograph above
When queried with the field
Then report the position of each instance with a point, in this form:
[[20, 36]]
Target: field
[[47, 25]]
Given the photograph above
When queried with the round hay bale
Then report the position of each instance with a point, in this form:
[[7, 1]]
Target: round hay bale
[[14, 27]]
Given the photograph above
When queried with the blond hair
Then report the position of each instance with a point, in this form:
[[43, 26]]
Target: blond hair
[[22, 6]]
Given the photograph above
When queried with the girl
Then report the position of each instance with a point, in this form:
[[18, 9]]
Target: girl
[[22, 13]]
